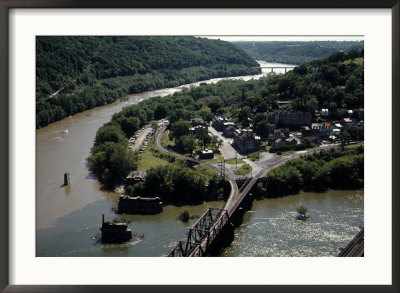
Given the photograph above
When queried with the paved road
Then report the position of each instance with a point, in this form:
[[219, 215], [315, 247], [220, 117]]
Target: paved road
[[227, 149]]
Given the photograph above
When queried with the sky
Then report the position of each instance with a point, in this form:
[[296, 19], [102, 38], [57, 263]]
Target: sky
[[287, 38]]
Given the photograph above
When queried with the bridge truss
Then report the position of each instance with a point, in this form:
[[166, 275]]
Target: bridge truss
[[202, 233]]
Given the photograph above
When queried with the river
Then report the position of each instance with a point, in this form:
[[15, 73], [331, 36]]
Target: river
[[67, 218]]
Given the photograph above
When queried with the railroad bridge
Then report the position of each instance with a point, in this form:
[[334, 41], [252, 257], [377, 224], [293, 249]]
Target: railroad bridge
[[277, 67]]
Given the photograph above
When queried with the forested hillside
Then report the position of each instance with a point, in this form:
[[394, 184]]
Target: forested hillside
[[78, 73], [296, 52]]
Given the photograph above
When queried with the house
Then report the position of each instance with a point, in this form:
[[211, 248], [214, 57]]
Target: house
[[198, 122], [348, 122], [281, 133], [136, 176], [316, 127], [279, 142], [332, 108], [206, 154], [291, 141], [271, 138], [322, 129], [306, 131], [337, 126], [288, 118], [229, 130], [197, 128], [218, 122], [324, 112], [246, 141]]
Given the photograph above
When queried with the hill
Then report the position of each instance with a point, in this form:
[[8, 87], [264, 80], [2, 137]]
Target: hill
[[78, 73], [296, 52]]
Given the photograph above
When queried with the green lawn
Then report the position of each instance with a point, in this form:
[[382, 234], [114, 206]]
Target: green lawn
[[243, 170], [358, 61], [234, 161], [166, 142], [217, 158], [254, 156], [148, 160]]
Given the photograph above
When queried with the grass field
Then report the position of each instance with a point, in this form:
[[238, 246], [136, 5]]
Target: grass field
[[148, 160], [165, 141], [217, 158], [233, 161], [358, 61], [243, 170], [254, 156]]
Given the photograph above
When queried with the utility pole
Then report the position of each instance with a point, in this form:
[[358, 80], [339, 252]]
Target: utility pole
[[236, 159]]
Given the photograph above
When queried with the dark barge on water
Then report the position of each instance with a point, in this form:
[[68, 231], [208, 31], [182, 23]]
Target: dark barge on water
[[139, 205], [115, 232]]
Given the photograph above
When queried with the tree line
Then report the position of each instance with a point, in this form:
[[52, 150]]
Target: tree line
[[334, 168], [296, 52]]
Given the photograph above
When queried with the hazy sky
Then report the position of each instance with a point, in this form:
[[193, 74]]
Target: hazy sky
[[287, 38]]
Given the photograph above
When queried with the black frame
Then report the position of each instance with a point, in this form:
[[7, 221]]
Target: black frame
[[5, 5]]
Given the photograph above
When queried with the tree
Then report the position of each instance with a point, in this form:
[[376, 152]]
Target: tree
[[344, 138], [203, 137], [244, 115], [184, 216], [179, 128], [302, 210], [206, 114], [262, 128], [186, 143]]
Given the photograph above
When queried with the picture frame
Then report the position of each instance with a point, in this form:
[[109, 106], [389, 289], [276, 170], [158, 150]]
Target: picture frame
[[5, 5]]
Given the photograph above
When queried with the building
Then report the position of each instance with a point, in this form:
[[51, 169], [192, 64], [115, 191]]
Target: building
[[136, 176], [198, 122], [291, 141], [218, 122], [288, 118], [229, 130], [206, 154], [246, 141], [197, 128], [306, 131], [322, 129], [348, 122], [324, 112]]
